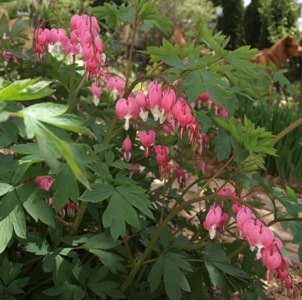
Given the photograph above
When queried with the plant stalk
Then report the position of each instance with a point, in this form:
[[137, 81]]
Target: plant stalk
[[287, 130]]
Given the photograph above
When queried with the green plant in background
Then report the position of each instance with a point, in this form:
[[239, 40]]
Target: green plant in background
[[195, 15], [231, 22], [276, 117], [105, 191], [278, 19]]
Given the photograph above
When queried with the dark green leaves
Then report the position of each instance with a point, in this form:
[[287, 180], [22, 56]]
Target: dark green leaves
[[117, 214], [12, 219], [65, 187], [26, 89], [98, 193], [171, 267], [223, 146], [33, 200], [223, 276], [121, 209], [10, 284]]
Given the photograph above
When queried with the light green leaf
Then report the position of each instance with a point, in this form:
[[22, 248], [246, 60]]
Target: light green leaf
[[5, 188], [53, 145], [18, 220], [26, 89], [6, 233], [39, 247]]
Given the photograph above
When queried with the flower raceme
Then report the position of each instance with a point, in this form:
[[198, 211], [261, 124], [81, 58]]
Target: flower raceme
[[45, 183], [83, 38], [174, 116], [256, 233]]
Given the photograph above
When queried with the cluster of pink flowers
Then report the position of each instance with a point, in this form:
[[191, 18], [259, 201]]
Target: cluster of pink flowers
[[45, 183], [175, 116], [259, 237], [7, 55], [84, 39], [206, 98]]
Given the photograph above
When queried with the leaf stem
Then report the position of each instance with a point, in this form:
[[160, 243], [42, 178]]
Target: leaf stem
[[155, 237], [287, 130], [77, 222]]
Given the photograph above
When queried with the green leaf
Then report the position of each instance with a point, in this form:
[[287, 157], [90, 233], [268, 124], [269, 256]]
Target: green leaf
[[100, 241], [219, 91], [16, 287], [141, 202], [65, 187], [6, 233], [18, 27], [61, 271], [291, 193], [195, 84], [53, 114], [101, 287], [117, 214], [38, 246], [25, 89], [67, 291], [9, 271], [99, 192], [5, 188], [18, 220], [114, 14], [171, 267], [33, 200], [54, 145], [223, 146], [222, 274], [110, 260], [12, 219], [79, 271], [121, 165], [3, 25]]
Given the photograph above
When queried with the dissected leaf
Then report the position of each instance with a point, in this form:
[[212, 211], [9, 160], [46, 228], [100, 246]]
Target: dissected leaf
[[117, 214], [171, 267], [25, 89], [33, 200]]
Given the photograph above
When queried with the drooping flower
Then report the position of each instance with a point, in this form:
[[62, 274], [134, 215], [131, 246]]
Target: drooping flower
[[212, 220], [127, 145], [181, 177], [126, 109], [147, 139]]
